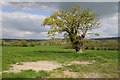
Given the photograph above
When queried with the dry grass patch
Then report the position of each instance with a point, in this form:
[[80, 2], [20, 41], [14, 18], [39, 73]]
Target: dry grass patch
[[71, 74], [44, 65], [92, 75], [36, 66], [81, 62]]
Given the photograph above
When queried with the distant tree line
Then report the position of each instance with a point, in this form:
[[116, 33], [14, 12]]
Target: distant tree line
[[88, 44], [98, 45], [22, 43]]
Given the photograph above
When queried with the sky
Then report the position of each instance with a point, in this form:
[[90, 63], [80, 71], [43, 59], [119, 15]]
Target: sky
[[22, 20]]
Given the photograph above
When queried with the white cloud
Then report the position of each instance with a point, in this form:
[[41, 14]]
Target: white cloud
[[25, 25], [28, 32], [100, 8], [29, 6], [41, 35], [109, 26], [61, 0], [22, 25]]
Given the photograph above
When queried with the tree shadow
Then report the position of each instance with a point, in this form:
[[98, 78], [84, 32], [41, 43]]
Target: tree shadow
[[53, 51]]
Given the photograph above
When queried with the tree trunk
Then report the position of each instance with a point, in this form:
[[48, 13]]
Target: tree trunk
[[78, 46], [78, 43], [80, 51]]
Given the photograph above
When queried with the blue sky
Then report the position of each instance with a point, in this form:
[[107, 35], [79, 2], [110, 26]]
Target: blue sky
[[23, 20], [36, 12]]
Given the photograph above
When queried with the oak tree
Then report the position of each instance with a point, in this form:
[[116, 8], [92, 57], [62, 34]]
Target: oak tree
[[74, 23]]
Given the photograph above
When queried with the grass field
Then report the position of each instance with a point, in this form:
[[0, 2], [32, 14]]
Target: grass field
[[106, 65]]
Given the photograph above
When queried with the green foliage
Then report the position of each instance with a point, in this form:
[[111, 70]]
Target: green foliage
[[27, 74], [24, 43], [3, 42], [32, 44], [67, 45], [101, 45], [0, 42], [73, 22], [88, 44], [16, 43]]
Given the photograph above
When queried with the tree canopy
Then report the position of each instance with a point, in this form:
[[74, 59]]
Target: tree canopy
[[74, 22]]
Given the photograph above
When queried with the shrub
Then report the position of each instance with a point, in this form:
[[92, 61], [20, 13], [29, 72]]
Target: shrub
[[32, 44], [116, 48], [16, 43], [105, 48], [98, 48], [24, 43], [3, 42], [67, 46], [92, 48], [109, 48], [86, 48]]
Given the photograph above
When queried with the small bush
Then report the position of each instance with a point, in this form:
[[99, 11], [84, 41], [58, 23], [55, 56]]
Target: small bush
[[105, 48], [67, 46], [92, 48], [32, 44], [86, 48], [97, 48], [24, 43], [116, 48], [109, 48]]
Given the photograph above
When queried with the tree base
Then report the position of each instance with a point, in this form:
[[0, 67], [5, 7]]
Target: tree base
[[80, 51]]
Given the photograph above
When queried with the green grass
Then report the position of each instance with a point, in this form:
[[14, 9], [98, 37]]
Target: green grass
[[28, 74], [0, 62], [106, 61]]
